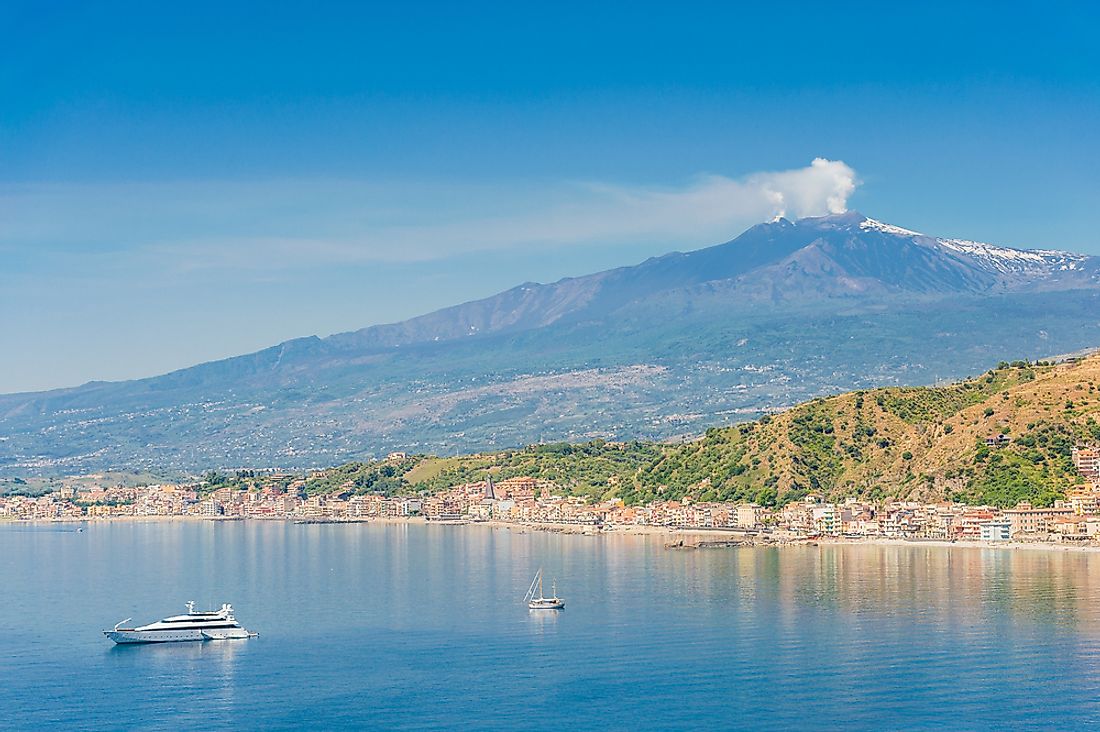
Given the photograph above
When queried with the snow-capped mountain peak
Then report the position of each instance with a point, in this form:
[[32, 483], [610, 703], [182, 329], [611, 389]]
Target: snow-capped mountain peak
[[991, 257], [992, 265]]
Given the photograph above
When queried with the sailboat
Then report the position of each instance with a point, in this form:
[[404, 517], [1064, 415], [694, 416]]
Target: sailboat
[[536, 600]]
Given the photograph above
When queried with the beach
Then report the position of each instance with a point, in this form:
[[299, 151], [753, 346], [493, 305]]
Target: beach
[[673, 537]]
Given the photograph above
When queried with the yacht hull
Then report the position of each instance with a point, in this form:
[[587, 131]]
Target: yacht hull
[[176, 636], [154, 636], [232, 634]]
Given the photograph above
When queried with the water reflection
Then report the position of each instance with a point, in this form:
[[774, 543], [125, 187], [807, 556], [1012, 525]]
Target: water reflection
[[220, 653], [543, 620], [865, 636], [1038, 586], [207, 669]]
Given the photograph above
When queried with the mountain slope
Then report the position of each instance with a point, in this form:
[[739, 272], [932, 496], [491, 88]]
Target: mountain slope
[[921, 443], [924, 442], [677, 343], [850, 252]]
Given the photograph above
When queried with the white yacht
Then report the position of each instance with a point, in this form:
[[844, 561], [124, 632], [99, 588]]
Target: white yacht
[[536, 600], [194, 626]]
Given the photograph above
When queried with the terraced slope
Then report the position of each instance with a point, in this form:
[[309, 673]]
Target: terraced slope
[[926, 443]]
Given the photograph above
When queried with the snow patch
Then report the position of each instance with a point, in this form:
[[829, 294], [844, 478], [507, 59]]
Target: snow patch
[[873, 225], [990, 256], [981, 249], [1006, 259]]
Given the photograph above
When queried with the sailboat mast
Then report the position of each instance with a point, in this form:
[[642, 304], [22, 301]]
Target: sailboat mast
[[535, 582]]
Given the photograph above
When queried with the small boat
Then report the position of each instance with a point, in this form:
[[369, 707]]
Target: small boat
[[194, 626], [536, 600]]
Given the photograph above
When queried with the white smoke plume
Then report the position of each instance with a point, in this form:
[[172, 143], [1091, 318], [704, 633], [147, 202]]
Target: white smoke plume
[[823, 188], [289, 224]]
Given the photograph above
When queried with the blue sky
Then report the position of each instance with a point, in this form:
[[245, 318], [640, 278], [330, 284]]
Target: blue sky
[[190, 182]]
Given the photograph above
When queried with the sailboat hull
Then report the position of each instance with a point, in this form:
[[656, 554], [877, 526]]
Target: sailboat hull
[[546, 604]]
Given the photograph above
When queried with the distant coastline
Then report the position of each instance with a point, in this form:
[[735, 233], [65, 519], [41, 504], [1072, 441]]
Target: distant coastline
[[675, 538]]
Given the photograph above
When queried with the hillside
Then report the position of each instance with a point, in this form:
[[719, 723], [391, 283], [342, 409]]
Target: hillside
[[784, 312], [925, 442], [920, 443]]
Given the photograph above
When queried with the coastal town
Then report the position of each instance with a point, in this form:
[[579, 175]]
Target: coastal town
[[527, 501]]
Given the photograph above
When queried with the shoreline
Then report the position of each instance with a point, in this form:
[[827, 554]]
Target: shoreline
[[688, 538], [966, 544]]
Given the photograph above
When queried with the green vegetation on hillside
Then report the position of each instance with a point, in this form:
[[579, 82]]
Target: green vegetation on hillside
[[386, 478], [595, 469], [37, 485], [923, 443]]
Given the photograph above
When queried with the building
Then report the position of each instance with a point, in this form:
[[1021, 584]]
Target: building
[[210, 507], [970, 523], [313, 507], [1087, 461], [521, 488], [749, 516], [995, 530], [826, 519], [1070, 528], [1083, 503], [1026, 519]]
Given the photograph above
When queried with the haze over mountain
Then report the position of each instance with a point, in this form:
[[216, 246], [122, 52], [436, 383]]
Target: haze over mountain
[[678, 343]]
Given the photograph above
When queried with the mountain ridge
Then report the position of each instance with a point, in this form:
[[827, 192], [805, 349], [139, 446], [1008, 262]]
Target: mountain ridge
[[783, 311], [525, 299]]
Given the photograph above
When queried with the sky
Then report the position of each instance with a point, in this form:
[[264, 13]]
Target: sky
[[190, 181]]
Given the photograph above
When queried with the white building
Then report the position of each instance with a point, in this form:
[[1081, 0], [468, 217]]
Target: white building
[[996, 530]]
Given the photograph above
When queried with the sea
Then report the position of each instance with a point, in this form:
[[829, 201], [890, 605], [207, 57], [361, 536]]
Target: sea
[[419, 627]]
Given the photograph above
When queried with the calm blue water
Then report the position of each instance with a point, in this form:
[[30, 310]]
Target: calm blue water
[[416, 627]]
